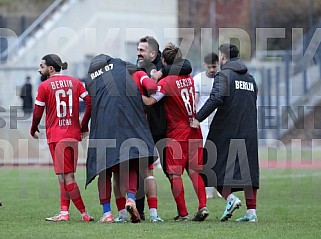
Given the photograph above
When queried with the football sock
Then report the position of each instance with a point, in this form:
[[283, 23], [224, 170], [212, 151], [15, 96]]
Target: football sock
[[106, 207], [250, 212], [178, 194], [104, 187], [153, 212], [75, 196], [64, 198], [152, 204], [199, 188], [122, 213], [120, 203], [131, 196], [250, 198], [230, 197]]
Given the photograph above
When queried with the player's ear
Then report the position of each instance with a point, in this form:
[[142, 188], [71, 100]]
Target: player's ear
[[153, 54]]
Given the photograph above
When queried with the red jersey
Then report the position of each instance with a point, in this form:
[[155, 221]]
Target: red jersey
[[144, 83], [60, 95], [179, 103]]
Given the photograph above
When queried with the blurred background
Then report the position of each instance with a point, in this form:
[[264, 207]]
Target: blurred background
[[278, 39]]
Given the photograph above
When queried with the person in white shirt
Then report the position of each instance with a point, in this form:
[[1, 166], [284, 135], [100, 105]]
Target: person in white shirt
[[203, 85]]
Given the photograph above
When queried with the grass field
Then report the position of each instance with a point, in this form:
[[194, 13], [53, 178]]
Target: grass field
[[288, 207]]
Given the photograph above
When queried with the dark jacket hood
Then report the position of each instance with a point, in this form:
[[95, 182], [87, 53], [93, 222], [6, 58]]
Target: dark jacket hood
[[98, 62], [235, 64]]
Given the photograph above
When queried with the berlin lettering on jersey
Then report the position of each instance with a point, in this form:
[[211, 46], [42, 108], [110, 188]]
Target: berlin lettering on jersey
[[101, 71], [243, 85], [183, 83], [60, 84]]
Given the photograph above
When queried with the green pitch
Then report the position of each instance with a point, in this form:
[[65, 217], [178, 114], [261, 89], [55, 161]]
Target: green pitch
[[288, 207]]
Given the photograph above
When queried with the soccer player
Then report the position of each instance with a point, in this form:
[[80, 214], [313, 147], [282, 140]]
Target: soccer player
[[203, 85], [184, 144], [149, 59], [59, 95], [120, 140], [233, 132]]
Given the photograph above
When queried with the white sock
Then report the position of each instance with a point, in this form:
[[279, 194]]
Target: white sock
[[250, 212], [122, 213], [64, 212], [230, 197], [153, 212], [106, 214]]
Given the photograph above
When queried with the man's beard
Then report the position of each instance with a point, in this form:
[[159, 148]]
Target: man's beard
[[142, 63], [44, 77]]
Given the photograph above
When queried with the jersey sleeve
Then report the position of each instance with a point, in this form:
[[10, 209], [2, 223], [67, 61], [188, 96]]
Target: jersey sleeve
[[161, 90], [82, 90], [41, 96], [162, 86], [147, 83]]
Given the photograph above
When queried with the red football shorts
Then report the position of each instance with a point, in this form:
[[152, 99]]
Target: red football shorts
[[187, 155], [64, 155]]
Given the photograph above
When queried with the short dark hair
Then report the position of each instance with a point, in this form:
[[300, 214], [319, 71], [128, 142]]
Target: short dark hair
[[171, 53], [211, 58], [55, 61], [229, 50], [153, 44]]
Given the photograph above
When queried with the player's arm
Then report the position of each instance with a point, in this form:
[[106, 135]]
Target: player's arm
[[217, 95], [197, 97], [36, 118], [38, 110], [153, 99], [85, 120], [148, 83]]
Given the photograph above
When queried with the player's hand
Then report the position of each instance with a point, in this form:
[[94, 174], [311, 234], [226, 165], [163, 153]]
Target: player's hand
[[33, 133], [156, 75], [84, 134], [195, 124]]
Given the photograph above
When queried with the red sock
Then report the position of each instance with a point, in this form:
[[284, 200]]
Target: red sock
[[120, 203], [104, 187], [64, 198], [250, 197], [152, 202], [178, 193], [75, 196], [199, 188], [129, 177]]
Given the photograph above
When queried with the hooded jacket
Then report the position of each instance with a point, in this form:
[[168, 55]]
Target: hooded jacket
[[231, 149], [119, 130]]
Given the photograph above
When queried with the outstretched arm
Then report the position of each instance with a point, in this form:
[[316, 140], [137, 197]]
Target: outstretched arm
[[148, 101], [219, 91]]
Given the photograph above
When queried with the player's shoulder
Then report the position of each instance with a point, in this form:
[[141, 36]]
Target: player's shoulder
[[199, 76]]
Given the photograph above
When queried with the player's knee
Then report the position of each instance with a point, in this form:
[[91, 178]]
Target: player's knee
[[149, 178]]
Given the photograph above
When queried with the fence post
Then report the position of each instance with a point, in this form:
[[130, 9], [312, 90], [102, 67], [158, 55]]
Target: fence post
[[262, 90], [278, 115]]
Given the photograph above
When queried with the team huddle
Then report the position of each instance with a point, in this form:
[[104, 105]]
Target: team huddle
[[142, 112]]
